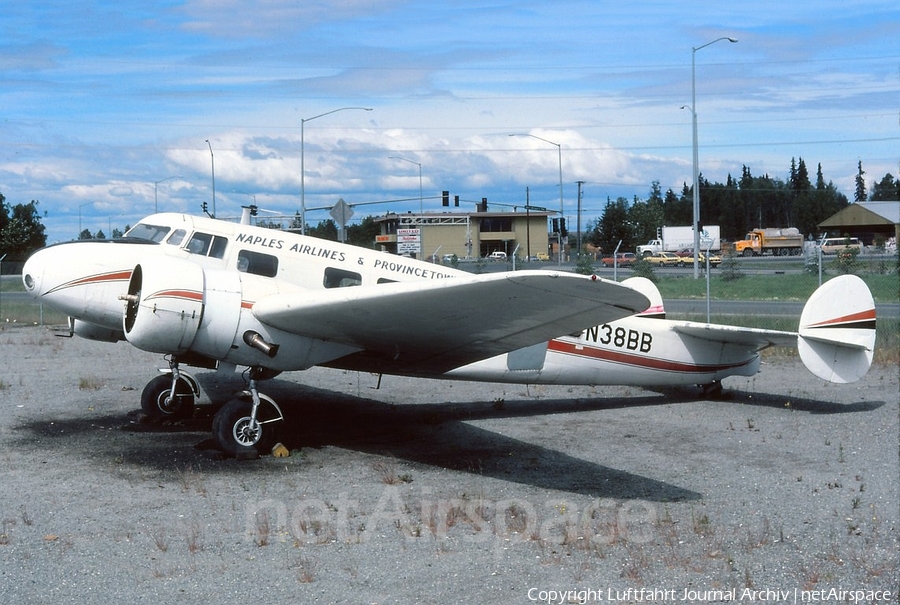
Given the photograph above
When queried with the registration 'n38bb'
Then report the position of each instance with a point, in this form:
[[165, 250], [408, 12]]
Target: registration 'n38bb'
[[620, 337]]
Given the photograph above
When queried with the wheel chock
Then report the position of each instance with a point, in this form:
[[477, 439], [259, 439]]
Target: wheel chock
[[279, 451]]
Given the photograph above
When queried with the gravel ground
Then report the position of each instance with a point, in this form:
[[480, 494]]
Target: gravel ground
[[441, 492]]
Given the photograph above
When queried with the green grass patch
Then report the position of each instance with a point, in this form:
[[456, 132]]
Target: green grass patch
[[799, 287], [11, 284], [30, 313]]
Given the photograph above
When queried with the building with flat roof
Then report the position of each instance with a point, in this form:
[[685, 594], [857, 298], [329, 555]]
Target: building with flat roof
[[466, 234]]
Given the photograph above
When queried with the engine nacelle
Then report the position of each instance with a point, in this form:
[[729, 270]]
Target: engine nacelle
[[164, 305], [91, 331], [177, 307]]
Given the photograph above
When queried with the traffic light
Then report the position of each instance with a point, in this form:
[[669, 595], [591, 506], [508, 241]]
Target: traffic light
[[445, 198], [562, 227], [555, 223]]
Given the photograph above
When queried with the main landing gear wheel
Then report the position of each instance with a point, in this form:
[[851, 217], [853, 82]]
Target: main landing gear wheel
[[248, 425], [158, 402], [238, 433]]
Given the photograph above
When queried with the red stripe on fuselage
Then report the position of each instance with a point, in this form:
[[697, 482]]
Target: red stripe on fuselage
[[100, 278], [183, 294], [639, 361]]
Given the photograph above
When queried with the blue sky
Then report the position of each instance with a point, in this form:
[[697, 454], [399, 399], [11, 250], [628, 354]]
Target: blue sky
[[107, 106]]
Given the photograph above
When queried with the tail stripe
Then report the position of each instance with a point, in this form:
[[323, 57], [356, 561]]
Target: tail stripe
[[862, 320]]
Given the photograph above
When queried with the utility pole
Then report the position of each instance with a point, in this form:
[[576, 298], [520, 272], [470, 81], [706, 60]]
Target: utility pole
[[527, 225], [578, 216]]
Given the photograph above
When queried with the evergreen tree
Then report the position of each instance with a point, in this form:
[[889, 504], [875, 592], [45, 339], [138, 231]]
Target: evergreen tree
[[363, 234], [886, 190], [800, 177], [679, 210], [731, 211], [646, 217], [326, 229], [805, 205], [672, 209], [612, 227], [860, 194]]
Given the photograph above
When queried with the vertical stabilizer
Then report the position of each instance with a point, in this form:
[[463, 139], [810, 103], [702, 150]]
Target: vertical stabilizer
[[837, 330], [648, 289]]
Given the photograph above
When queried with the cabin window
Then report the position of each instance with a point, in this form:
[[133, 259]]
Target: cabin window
[[339, 278], [206, 244], [257, 263], [154, 233], [199, 243], [217, 250], [177, 237]]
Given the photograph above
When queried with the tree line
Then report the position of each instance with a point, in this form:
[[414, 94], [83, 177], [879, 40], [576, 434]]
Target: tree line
[[21, 231], [737, 206]]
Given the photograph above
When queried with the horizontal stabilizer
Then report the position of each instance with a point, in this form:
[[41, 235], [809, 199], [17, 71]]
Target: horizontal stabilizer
[[837, 330]]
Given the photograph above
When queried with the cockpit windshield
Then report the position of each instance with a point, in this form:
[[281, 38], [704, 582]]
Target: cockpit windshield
[[154, 233]]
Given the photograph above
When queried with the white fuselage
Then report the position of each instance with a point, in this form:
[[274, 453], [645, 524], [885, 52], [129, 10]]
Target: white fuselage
[[241, 264]]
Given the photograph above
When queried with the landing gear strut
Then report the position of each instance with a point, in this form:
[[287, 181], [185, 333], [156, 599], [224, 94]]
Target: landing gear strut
[[171, 395], [713, 389], [248, 424]]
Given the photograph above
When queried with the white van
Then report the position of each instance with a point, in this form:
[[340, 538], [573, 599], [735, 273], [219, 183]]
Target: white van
[[833, 245], [497, 255]]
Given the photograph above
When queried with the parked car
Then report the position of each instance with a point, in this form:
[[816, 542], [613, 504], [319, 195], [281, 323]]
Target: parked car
[[622, 259], [663, 259], [714, 260], [543, 256], [497, 255]]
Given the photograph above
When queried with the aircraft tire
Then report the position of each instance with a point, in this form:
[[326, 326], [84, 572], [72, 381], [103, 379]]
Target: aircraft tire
[[233, 434], [155, 394]]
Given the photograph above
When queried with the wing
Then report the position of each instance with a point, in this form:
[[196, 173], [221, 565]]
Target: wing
[[432, 327]]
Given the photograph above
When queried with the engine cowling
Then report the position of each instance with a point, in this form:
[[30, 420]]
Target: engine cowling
[[164, 305], [91, 331]]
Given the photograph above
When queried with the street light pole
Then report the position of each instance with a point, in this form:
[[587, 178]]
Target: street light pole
[[561, 211], [156, 188], [696, 196], [80, 206], [212, 161], [303, 122], [421, 205]]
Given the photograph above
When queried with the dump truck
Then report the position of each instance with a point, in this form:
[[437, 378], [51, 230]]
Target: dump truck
[[777, 242], [673, 239]]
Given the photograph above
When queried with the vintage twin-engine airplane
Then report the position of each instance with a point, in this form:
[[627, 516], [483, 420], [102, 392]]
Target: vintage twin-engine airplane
[[217, 294]]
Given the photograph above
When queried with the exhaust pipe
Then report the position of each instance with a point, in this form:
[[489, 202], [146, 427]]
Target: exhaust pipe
[[255, 340]]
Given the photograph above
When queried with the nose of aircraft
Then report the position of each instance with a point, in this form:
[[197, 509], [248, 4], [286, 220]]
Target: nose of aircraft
[[33, 272]]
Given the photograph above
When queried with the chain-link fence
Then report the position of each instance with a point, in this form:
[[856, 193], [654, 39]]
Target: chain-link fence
[[759, 292]]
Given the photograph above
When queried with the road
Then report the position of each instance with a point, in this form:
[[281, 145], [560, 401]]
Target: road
[[756, 307]]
